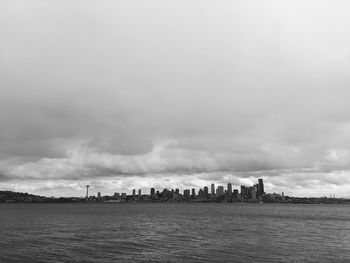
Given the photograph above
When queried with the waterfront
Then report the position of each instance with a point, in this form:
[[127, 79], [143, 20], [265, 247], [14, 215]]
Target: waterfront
[[174, 233]]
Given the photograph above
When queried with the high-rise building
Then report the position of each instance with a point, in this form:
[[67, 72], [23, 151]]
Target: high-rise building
[[254, 192], [243, 192], [177, 191], [212, 189], [139, 192], [235, 193], [187, 193], [261, 191], [99, 195], [220, 190], [165, 193], [200, 193], [205, 191], [229, 189], [152, 192], [133, 192], [193, 192], [173, 194]]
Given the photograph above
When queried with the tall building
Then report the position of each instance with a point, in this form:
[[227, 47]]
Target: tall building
[[205, 191], [193, 192], [139, 192], [261, 187], [212, 189], [254, 191], [200, 193], [152, 192], [187, 193], [229, 189], [243, 192], [165, 193], [220, 190], [235, 193], [133, 192]]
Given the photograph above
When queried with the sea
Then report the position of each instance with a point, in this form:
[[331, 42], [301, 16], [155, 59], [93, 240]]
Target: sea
[[170, 232]]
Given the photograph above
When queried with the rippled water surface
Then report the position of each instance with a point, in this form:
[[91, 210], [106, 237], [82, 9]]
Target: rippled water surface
[[174, 233]]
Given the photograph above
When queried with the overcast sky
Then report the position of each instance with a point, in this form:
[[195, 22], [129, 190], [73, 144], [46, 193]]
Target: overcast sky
[[176, 94]]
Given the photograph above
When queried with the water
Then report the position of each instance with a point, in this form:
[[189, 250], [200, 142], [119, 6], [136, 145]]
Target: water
[[174, 233]]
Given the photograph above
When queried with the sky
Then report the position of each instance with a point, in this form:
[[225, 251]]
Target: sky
[[174, 94]]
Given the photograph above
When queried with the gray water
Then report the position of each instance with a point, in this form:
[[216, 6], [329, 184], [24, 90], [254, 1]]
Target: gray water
[[174, 233]]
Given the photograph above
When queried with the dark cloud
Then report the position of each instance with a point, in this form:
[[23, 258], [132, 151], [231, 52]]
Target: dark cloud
[[95, 92]]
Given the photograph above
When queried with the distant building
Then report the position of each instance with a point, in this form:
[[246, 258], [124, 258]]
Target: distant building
[[261, 191], [133, 192], [99, 195], [220, 190], [152, 192], [177, 191], [206, 191], [193, 192], [213, 189], [243, 192], [165, 193], [229, 189], [254, 192], [173, 194], [200, 193], [187, 193], [139, 193]]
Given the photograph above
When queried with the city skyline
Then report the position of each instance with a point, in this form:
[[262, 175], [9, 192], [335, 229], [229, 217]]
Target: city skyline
[[124, 93]]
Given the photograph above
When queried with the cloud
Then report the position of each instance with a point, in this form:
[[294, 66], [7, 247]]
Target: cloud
[[117, 91]]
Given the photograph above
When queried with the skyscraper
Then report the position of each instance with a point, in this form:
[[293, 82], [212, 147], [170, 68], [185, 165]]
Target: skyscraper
[[212, 189], [260, 187], [205, 191], [220, 190], [200, 193], [139, 192], [152, 192], [229, 189], [193, 192], [243, 192], [253, 192], [235, 193]]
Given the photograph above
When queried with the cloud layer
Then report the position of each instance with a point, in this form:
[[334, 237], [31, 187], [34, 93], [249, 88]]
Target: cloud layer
[[130, 95]]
